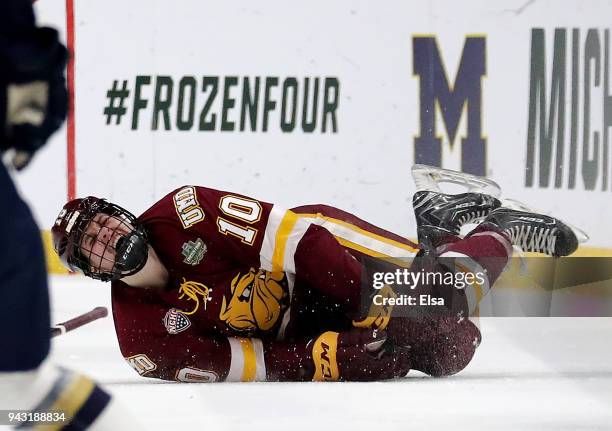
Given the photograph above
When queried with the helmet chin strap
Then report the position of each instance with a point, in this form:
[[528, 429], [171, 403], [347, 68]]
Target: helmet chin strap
[[132, 252]]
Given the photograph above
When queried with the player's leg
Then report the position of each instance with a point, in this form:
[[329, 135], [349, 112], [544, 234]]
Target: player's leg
[[377, 249], [441, 216], [443, 345], [74, 400], [486, 249], [357, 235], [442, 340], [24, 303]]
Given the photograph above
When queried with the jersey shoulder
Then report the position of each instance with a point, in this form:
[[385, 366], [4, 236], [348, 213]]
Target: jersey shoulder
[[186, 205]]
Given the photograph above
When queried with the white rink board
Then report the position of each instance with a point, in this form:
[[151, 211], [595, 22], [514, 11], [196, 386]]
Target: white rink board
[[368, 47]]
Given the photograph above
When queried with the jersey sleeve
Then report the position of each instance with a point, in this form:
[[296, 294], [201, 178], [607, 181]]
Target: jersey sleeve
[[268, 236], [189, 356]]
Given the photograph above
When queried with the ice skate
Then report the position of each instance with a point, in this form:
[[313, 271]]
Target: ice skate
[[513, 204], [533, 232], [439, 214]]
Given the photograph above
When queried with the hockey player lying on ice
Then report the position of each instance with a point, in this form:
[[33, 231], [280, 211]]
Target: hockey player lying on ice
[[214, 286]]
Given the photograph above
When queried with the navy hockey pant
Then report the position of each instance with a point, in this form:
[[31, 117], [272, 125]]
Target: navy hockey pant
[[24, 299]]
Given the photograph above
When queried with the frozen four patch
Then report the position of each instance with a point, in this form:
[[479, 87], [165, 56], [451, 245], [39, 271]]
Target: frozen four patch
[[194, 251]]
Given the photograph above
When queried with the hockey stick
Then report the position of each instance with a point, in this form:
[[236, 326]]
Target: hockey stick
[[77, 322]]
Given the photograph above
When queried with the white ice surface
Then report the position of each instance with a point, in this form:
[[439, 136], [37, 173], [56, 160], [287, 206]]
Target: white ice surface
[[528, 374]]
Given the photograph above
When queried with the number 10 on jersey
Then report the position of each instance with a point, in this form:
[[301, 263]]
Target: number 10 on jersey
[[243, 211]]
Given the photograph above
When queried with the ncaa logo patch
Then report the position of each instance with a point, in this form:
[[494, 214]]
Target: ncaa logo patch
[[175, 321]]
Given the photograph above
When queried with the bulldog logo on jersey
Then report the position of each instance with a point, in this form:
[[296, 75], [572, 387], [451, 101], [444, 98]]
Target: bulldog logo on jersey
[[256, 301], [194, 251], [175, 321]]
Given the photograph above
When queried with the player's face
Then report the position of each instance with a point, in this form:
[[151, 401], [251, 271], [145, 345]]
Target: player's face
[[99, 241]]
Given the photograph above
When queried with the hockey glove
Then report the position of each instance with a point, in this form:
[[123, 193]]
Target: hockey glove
[[33, 96], [358, 355], [439, 346]]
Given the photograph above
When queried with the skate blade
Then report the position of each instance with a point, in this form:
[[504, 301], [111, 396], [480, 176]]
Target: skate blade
[[513, 204], [428, 178]]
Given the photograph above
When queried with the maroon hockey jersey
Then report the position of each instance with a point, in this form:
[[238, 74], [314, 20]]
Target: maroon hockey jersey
[[249, 284]]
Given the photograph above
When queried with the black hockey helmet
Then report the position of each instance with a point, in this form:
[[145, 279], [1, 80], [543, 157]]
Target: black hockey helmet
[[99, 239]]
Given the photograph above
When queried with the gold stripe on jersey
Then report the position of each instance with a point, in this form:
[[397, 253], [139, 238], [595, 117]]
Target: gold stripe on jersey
[[402, 248], [250, 365], [357, 247], [285, 229], [282, 235], [71, 400], [402, 262], [247, 360]]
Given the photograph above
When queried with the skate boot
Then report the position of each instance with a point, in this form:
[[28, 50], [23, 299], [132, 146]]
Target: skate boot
[[450, 212], [534, 232], [439, 215]]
